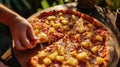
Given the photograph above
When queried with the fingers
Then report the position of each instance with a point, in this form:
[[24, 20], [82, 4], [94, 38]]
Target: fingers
[[25, 41], [22, 42], [19, 46], [31, 35]]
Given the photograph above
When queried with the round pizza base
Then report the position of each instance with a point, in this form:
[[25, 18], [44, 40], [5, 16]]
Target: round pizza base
[[24, 56]]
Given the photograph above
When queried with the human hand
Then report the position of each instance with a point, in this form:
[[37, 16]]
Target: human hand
[[22, 33]]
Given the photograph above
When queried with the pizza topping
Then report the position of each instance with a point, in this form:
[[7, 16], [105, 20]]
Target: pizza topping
[[52, 23], [72, 61], [99, 38], [60, 14], [60, 50], [85, 44], [60, 58], [57, 25], [51, 30], [47, 61], [51, 17], [36, 31], [89, 34], [34, 60], [64, 22], [46, 22], [90, 25], [53, 55], [73, 53], [41, 54], [42, 37], [99, 60], [81, 56], [94, 49], [73, 17], [61, 18]]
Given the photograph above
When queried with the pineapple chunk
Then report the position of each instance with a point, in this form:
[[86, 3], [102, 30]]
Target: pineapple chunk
[[94, 49], [41, 54], [64, 22], [36, 31], [73, 17], [46, 21], [52, 23], [90, 25], [47, 61], [34, 60], [37, 26], [85, 44], [73, 53], [60, 58], [52, 29], [60, 50], [38, 65], [72, 61], [89, 34], [99, 38], [70, 32], [57, 25], [61, 18], [51, 17], [42, 37], [77, 36], [81, 56], [79, 29], [65, 27], [99, 60], [53, 55], [60, 14]]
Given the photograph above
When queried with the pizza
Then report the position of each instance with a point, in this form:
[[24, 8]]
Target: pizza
[[73, 39]]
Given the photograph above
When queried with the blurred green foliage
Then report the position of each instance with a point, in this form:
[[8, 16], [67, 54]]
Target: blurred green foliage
[[111, 4], [28, 7]]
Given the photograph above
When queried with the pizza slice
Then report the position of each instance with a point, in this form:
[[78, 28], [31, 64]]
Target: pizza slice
[[62, 21], [44, 32], [66, 53]]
